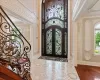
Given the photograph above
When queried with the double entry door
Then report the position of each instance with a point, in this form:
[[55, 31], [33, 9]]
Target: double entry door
[[54, 42]]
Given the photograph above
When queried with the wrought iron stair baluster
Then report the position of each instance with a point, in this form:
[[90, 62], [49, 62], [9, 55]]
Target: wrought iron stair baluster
[[14, 47]]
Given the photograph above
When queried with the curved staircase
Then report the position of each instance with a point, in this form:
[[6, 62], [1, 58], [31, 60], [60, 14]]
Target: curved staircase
[[14, 50]]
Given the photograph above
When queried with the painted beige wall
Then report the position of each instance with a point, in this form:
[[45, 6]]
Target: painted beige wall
[[25, 30], [85, 15], [86, 40], [72, 25], [39, 25], [30, 32]]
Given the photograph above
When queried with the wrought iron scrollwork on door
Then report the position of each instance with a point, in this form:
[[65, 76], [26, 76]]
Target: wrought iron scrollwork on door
[[55, 28]]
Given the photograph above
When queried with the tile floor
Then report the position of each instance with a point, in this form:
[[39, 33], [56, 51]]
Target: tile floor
[[52, 70]]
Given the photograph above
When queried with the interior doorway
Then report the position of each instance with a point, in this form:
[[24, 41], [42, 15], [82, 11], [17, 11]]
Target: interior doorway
[[55, 28]]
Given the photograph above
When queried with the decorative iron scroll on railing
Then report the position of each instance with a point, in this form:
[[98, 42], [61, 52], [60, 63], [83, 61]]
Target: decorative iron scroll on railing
[[14, 47]]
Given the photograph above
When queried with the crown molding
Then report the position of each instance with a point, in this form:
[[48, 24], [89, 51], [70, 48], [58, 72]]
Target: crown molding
[[81, 7]]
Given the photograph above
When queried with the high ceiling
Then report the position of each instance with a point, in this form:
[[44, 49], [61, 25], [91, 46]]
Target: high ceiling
[[29, 4], [86, 8], [96, 7]]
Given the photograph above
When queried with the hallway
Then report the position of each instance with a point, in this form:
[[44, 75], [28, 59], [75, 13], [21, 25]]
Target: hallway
[[52, 70]]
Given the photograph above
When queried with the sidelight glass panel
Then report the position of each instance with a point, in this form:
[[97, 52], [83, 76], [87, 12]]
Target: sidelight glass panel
[[58, 42], [49, 42]]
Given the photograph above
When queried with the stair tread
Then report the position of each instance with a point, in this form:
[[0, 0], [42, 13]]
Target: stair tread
[[5, 77], [6, 74]]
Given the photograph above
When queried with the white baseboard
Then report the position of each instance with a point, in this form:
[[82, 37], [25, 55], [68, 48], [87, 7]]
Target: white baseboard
[[89, 63]]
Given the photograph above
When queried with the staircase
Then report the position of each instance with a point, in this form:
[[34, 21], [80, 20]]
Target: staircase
[[6, 74], [14, 50]]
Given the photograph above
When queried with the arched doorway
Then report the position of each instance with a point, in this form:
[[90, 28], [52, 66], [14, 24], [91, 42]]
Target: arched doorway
[[55, 28]]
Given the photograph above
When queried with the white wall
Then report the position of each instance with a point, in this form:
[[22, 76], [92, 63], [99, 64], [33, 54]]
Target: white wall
[[86, 13], [86, 41]]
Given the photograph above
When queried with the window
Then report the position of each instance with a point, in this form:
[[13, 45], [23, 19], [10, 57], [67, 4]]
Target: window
[[97, 39]]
